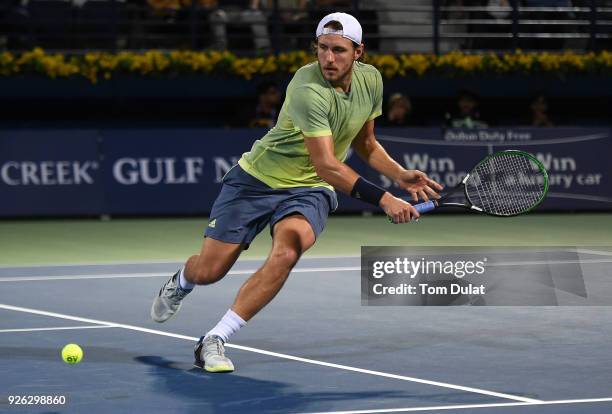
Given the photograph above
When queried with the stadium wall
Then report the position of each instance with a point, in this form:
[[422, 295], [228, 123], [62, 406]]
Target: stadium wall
[[131, 171], [193, 86]]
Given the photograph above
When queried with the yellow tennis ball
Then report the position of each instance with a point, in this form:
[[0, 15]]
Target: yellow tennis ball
[[72, 354]]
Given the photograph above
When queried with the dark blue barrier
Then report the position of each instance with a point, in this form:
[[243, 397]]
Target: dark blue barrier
[[178, 171], [207, 86], [168, 171], [577, 159], [50, 172]]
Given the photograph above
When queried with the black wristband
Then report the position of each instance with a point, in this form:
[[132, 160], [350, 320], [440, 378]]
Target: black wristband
[[367, 191]]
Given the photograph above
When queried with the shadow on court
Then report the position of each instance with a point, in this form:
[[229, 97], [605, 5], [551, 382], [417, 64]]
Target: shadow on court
[[233, 393]]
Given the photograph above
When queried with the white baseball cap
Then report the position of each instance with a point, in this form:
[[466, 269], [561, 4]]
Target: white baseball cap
[[351, 29]]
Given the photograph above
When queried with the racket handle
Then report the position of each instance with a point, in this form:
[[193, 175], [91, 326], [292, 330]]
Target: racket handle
[[421, 208], [425, 207]]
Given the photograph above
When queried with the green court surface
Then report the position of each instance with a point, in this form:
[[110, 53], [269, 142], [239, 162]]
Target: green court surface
[[29, 242]]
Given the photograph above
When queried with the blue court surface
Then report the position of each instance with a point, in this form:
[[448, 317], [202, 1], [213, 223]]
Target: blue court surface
[[313, 349]]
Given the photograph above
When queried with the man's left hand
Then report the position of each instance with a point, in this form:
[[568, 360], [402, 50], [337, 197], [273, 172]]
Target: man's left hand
[[419, 185]]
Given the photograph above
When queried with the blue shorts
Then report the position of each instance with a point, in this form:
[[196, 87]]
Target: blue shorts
[[246, 205]]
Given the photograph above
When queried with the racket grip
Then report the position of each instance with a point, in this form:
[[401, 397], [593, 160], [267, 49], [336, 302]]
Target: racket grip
[[425, 207]]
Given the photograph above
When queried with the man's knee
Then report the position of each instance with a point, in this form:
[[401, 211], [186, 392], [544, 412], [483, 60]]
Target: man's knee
[[285, 257], [294, 231]]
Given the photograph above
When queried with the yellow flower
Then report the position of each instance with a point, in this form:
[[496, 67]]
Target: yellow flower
[[156, 62]]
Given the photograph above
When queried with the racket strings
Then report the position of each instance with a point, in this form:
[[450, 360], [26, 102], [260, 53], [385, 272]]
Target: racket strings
[[510, 193], [506, 184]]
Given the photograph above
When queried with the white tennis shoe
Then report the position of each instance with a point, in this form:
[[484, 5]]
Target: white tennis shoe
[[169, 299], [210, 355]]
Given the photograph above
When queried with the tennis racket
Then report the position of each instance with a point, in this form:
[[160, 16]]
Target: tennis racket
[[506, 183]]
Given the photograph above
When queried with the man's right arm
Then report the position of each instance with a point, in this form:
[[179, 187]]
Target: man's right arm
[[336, 173], [342, 177]]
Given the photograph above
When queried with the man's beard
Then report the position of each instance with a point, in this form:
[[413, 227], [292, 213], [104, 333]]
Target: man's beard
[[336, 75]]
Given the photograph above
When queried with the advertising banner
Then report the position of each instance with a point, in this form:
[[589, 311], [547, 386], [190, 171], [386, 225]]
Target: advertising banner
[[577, 159], [168, 171], [133, 171], [50, 172]]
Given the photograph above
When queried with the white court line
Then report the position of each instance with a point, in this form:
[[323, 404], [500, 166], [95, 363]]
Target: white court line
[[297, 270], [179, 261], [466, 406], [275, 354], [166, 274], [82, 277], [59, 328], [594, 252], [549, 262]]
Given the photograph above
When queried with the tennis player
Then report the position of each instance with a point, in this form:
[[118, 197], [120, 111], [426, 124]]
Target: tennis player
[[288, 180]]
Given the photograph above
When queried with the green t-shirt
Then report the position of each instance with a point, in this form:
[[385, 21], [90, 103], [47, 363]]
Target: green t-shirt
[[313, 108]]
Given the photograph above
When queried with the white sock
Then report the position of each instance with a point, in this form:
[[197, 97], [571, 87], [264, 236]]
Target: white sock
[[184, 283], [228, 325]]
